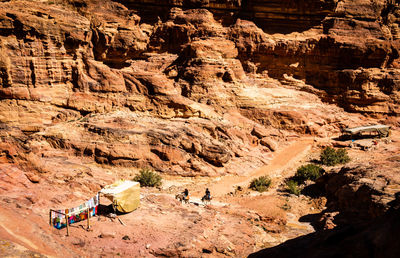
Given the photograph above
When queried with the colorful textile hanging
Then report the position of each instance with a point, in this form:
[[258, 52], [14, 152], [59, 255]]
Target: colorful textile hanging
[[57, 217]]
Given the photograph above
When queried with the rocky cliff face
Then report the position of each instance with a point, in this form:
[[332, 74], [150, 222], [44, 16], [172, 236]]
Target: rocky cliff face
[[101, 78], [375, 238], [336, 39], [361, 218], [93, 90], [363, 192], [273, 16]]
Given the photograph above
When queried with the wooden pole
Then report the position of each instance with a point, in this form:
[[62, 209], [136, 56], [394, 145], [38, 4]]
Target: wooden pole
[[88, 216], [50, 222], [121, 221], [66, 218]]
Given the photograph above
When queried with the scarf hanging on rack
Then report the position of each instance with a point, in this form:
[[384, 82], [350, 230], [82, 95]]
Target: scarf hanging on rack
[[58, 217]]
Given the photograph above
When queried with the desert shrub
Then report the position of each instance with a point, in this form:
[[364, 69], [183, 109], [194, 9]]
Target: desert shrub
[[308, 172], [260, 184], [330, 156], [342, 155], [147, 177], [293, 187]]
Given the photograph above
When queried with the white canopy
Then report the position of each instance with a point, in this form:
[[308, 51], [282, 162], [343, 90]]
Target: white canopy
[[366, 128], [118, 187]]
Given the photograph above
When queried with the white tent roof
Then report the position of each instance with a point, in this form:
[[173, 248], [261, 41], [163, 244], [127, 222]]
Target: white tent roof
[[118, 187], [366, 128]]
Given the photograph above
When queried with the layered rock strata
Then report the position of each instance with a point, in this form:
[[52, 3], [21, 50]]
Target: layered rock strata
[[337, 37], [65, 62], [273, 16]]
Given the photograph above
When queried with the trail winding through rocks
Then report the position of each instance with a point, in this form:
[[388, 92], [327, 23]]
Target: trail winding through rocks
[[282, 161]]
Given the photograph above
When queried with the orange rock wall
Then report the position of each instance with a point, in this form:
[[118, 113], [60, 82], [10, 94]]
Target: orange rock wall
[[217, 67]]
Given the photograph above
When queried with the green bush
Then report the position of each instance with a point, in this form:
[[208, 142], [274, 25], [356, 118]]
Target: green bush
[[308, 172], [293, 187], [331, 157], [260, 184], [148, 178], [342, 155]]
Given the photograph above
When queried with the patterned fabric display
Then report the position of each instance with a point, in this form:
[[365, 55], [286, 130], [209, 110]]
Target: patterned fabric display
[[57, 217]]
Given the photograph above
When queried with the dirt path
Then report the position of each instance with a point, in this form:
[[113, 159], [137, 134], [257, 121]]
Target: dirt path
[[282, 160]]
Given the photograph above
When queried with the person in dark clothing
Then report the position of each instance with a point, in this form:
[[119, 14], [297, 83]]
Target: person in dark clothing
[[186, 196], [207, 197], [186, 193], [208, 194]]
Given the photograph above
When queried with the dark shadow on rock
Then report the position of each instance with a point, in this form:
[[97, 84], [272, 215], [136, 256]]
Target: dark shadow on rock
[[104, 210], [375, 238], [342, 138], [313, 191], [347, 137], [313, 219], [316, 161]]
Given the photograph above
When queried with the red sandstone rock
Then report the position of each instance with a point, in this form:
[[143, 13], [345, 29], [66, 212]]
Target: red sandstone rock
[[270, 144], [87, 85], [68, 64], [32, 177]]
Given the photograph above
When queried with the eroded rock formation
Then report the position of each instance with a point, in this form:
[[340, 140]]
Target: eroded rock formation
[[361, 218], [64, 63], [213, 67], [93, 90]]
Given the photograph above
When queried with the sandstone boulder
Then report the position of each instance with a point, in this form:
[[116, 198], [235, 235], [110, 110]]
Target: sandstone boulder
[[32, 177], [269, 143]]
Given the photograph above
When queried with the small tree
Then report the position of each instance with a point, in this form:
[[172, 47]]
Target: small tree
[[293, 187], [342, 156], [260, 184], [147, 177], [308, 172], [331, 157]]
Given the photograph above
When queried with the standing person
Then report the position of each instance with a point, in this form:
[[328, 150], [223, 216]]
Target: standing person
[[186, 194], [207, 197], [208, 194]]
